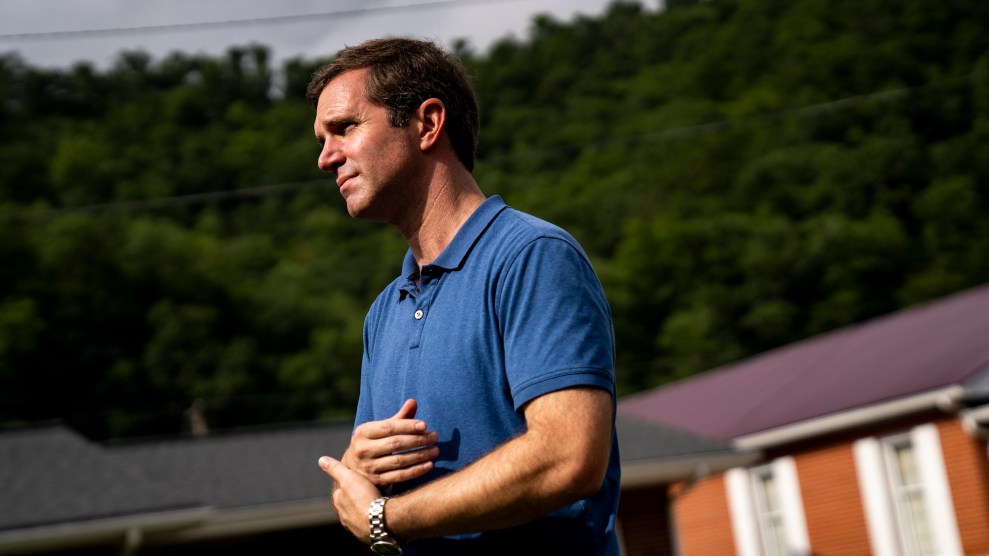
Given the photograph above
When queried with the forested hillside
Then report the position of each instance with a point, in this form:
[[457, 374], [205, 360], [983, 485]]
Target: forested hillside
[[744, 173]]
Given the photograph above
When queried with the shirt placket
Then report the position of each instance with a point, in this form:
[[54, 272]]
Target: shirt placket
[[421, 304]]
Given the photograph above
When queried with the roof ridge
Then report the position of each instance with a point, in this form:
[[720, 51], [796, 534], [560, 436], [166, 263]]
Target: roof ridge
[[226, 433]]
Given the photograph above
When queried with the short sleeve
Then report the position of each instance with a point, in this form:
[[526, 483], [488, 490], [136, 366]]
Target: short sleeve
[[555, 321]]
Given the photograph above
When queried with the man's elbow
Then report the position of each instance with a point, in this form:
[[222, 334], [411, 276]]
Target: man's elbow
[[584, 475]]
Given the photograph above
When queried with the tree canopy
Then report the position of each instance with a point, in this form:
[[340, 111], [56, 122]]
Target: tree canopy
[[743, 173]]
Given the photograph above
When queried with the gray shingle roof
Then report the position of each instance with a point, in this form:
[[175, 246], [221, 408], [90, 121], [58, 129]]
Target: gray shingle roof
[[51, 475], [270, 465], [48, 474], [913, 351], [641, 440]]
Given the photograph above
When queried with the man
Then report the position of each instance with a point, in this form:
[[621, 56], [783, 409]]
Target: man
[[486, 415]]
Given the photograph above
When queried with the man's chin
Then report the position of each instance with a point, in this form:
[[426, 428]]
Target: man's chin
[[360, 211], [355, 208]]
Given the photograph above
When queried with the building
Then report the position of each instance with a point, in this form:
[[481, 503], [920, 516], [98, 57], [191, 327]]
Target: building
[[873, 440], [256, 489]]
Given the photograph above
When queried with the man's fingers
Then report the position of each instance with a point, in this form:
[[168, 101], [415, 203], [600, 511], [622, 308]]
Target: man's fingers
[[406, 459], [403, 422], [333, 468], [408, 410], [404, 474]]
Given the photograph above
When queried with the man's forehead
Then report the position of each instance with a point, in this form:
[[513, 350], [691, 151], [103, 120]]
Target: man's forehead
[[343, 90]]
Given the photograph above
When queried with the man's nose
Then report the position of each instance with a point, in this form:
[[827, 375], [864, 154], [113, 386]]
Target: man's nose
[[330, 158]]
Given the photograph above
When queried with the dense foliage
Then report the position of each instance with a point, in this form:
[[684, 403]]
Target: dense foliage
[[744, 173]]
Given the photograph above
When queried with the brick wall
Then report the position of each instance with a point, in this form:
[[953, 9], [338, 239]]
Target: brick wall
[[968, 477], [832, 502], [703, 522]]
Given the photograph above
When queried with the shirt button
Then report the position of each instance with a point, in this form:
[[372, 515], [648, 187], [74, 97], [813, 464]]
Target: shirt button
[[419, 314]]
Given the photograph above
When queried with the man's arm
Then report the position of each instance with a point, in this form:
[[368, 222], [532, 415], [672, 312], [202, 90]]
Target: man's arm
[[560, 458]]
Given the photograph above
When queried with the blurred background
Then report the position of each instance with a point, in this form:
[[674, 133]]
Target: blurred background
[[743, 173]]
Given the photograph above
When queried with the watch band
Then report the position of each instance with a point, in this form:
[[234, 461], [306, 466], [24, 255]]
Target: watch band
[[381, 541]]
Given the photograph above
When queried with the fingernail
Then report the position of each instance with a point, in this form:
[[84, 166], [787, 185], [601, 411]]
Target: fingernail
[[324, 462], [420, 426]]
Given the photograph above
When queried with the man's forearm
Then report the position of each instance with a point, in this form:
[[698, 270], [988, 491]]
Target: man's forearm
[[554, 463]]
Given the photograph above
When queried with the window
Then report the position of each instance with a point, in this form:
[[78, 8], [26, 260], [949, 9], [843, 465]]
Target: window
[[905, 494], [766, 510], [769, 512]]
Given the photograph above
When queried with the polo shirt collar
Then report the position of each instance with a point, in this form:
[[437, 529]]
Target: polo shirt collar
[[454, 255]]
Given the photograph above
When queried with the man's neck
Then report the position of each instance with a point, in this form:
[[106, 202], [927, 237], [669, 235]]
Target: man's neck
[[448, 204]]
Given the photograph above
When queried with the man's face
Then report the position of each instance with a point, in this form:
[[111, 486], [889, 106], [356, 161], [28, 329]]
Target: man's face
[[373, 162]]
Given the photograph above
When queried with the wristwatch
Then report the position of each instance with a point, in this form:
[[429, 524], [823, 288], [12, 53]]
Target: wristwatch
[[381, 541]]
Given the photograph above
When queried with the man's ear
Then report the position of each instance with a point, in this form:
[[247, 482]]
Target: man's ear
[[432, 120]]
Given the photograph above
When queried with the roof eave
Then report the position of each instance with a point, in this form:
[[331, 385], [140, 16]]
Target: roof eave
[[659, 471], [946, 399], [74, 534], [259, 519], [171, 527], [976, 421]]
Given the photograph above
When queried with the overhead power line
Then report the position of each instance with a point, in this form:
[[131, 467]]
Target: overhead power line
[[247, 22], [178, 200], [800, 112], [665, 134]]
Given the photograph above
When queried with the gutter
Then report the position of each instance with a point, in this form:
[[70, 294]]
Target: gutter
[[948, 400], [72, 535], [152, 529], [652, 472], [250, 520], [976, 421]]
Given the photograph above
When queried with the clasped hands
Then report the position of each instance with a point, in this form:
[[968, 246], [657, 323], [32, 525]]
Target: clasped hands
[[381, 453]]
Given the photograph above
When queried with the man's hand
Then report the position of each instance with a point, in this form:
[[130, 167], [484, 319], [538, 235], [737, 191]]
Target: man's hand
[[352, 496], [561, 457], [393, 450]]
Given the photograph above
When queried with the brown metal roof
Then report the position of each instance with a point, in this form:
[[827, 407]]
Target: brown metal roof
[[917, 350]]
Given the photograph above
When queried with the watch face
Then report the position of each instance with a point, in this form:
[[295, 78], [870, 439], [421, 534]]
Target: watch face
[[386, 548]]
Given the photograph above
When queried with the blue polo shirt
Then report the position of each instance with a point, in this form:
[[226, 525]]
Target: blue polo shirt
[[509, 311]]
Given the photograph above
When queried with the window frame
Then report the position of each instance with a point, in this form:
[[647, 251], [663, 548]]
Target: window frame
[[748, 526], [883, 521], [770, 516], [912, 526]]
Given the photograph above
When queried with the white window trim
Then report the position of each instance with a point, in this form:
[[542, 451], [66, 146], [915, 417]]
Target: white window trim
[[743, 508], [785, 469], [741, 504], [880, 515], [941, 510]]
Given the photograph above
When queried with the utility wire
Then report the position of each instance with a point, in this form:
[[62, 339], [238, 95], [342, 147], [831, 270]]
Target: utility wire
[[178, 200], [247, 22], [802, 112], [659, 135]]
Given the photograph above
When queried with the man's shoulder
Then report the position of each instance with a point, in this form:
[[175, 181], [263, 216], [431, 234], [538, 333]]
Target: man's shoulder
[[524, 228], [526, 222]]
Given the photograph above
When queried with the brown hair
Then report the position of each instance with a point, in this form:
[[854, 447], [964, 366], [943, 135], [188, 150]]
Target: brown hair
[[402, 74]]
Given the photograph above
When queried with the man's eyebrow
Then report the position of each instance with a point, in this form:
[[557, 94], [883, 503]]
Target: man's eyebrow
[[327, 125], [330, 123]]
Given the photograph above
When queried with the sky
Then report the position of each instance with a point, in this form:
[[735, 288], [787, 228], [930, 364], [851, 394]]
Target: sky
[[344, 22]]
